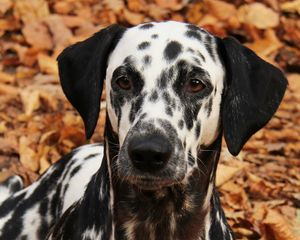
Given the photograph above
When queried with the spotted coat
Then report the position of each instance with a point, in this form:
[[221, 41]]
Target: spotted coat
[[171, 87]]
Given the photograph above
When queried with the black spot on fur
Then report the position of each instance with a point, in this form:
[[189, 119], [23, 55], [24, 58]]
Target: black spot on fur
[[162, 80], [128, 60], [193, 27], [74, 171], [180, 124], [208, 107], [197, 61], [201, 56], [153, 97], [146, 26], [209, 46], [194, 35], [143, 45], [172, 50], [154, 36], [136, 106], [190, 50], [166, 98], [191, 159], [147, 60], [169, 111], [197, 130]]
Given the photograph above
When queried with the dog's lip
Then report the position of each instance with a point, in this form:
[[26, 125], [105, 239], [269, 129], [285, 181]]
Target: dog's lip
[[151, 183]]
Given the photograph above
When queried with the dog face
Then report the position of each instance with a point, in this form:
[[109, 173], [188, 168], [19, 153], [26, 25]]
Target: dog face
[[172, 89], [164, 85]]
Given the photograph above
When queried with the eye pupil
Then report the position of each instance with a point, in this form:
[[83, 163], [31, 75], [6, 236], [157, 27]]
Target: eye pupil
[[195, 85], [124, 83]]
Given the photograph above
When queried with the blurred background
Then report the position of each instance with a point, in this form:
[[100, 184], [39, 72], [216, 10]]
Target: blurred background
[[260, 189]]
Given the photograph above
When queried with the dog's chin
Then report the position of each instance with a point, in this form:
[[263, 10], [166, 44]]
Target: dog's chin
[[151, 184]]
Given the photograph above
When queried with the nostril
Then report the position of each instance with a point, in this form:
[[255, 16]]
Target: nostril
[[149, 153]]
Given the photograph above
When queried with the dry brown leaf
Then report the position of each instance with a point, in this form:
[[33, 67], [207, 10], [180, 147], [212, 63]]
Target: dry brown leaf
[[258, 15], [133, 18], [294, 82], [31, 10], [5, 5], [47, 64], [267, 45], [220, 9], [61, 34], [174, 5], [276, 227], [225, 173], [27, 155], [6, 77], [37, 35], [137, 5], [30, 100], [7, 89], [291, 6]]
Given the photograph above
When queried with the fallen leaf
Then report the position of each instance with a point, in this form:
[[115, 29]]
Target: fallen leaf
[[47, 64], [291, 6], [5, 5], [31, 10], [258, 15], [27, 155], [6, 77], [133, 18], [225, 173], [174, 5], [30, 100], [276, 226], [37, 35], [220, 9]]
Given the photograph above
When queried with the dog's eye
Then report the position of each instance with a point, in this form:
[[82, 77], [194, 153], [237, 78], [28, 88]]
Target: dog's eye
[[124, 83], [194, 85]]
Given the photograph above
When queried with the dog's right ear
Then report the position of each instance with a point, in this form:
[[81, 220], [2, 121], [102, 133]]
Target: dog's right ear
[[82, 70]]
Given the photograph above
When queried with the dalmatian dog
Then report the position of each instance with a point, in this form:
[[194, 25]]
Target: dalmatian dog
[[172, 91]]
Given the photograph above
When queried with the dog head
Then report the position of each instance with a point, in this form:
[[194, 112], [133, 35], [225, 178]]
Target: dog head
[[172, 89]]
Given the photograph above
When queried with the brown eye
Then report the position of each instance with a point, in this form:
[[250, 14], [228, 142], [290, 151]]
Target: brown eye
[[195, 85], [124, 83]]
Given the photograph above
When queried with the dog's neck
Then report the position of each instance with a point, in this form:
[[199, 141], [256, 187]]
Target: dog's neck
[[186, 211]]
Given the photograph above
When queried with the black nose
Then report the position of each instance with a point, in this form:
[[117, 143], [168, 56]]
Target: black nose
[[149, 153]]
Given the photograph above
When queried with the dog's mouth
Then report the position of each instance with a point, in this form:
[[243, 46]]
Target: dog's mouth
[[151, 183]]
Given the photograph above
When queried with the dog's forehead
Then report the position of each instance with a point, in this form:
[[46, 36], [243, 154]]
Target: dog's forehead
[[154, 46]]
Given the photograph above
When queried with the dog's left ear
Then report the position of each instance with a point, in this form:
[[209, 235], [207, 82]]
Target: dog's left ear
[[82, 70], [254, 91]]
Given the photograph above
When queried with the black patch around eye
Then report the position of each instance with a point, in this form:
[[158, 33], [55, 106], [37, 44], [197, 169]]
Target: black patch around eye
[[154, 96], [154, 36], [193, 34], [197, 130], [191, 159], [180, 124], [147, 60], [146, 26], [143, 45], [172, 50]]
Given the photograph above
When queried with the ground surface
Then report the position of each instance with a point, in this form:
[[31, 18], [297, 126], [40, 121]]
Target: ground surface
[[260, 189]]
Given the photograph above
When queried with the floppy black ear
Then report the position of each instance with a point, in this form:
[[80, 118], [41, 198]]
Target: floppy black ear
[[82, 70], [255, 89]]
